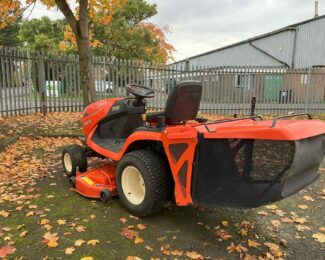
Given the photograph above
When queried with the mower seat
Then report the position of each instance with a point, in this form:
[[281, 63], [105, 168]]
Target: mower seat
[[182, 104]]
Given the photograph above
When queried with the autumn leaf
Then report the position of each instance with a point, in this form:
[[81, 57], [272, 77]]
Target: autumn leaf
[[44, 221], [142, 226], [69, 250], [272, 206], [303, 206], [274, 249], [23, 234], [223, 234], [81, 229], [87, 258], [194, 255], [149, 248], [263, 213], [6, 250], [133, 258], [138, 240], [61, 221], [123, 220], [52, 243], [252, 243], [299, 220], [302, 227], [243, 232], [239, 248], [93, 242], [308, 198], [320, 237], [79, 242], [129, 233], [275, 223], [92, 216], [133, 217], [225, 223]]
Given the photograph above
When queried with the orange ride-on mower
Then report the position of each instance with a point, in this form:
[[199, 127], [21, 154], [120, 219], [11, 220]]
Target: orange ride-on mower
[[237, 162]]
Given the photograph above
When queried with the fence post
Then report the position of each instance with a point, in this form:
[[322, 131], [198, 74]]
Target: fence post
[[41, 82], [253, 103], [307, 90]]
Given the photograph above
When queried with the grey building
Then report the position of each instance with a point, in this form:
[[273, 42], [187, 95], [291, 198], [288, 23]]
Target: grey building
[[296, 46]]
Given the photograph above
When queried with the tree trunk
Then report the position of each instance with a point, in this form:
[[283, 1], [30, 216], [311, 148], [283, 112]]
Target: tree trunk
[[81, 31], [86, 72]]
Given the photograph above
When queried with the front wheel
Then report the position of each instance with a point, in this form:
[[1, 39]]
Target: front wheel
[[73, 158], [144, 182]]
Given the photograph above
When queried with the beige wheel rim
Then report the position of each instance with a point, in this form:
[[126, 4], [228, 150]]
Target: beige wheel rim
[[133, 185], [67, 162]]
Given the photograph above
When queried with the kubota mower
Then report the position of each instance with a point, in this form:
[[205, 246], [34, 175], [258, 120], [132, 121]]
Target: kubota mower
[[237, 162]]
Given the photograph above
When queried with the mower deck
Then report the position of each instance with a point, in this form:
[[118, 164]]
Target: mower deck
[[93, 182]]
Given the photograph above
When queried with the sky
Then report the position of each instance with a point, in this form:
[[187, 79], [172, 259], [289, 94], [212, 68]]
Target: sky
[[201, 26]]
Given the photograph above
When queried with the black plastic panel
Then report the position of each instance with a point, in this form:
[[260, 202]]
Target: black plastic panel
[[249, 173]]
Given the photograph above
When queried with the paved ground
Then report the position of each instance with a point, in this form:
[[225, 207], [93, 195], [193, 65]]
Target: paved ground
[[37, 197]]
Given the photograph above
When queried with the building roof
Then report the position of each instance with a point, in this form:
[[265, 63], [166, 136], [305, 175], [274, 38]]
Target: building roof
[[287, 28]]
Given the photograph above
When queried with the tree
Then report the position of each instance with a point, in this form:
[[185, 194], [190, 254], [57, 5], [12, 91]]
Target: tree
[[86, 13], [42, 34], [96, 10], [129, 37], [9, 35]]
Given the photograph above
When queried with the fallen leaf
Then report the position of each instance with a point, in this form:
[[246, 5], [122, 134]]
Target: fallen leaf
[[272, 206], [322, 229], [149, 248], [133, 217], [223, 234], [129, 233], [81, 229], [287, 220], [93, 242], [142, 226], [302, 227], [79, 242], [299, 220], [308, 198], [30, 213], [52, 244], [303, 206], [6, 250], [275, 223], [138, 240], [44, 221], [274, 249], [225, 223], [243, 232], [252, 243], [133, 258], [176, 253], [92, 216], [263, 213], [61, 222], [194, 255], [123, 220], [69, 250], [87, 258], [23, 234], [239, 248], [320, 237]]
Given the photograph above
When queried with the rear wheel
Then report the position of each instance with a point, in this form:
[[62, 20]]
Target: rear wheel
[[73, 158], [144, 182]]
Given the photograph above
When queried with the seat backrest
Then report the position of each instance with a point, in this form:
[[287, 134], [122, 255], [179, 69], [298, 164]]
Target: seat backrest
[[183, 102]]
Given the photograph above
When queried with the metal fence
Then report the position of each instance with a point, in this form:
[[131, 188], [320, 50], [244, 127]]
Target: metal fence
[[34, 82]]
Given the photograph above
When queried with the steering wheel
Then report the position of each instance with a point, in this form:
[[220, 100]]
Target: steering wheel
[[140, 91]]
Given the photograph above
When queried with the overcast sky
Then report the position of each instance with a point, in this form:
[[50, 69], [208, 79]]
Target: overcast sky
[[200, 26]]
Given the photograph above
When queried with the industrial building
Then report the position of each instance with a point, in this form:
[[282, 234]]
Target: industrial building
[[296, 46]]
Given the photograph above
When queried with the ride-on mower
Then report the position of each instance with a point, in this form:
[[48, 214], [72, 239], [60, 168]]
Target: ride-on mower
[[236, 162]]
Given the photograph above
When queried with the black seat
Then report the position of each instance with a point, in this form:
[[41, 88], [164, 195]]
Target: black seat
[[182, 104]]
